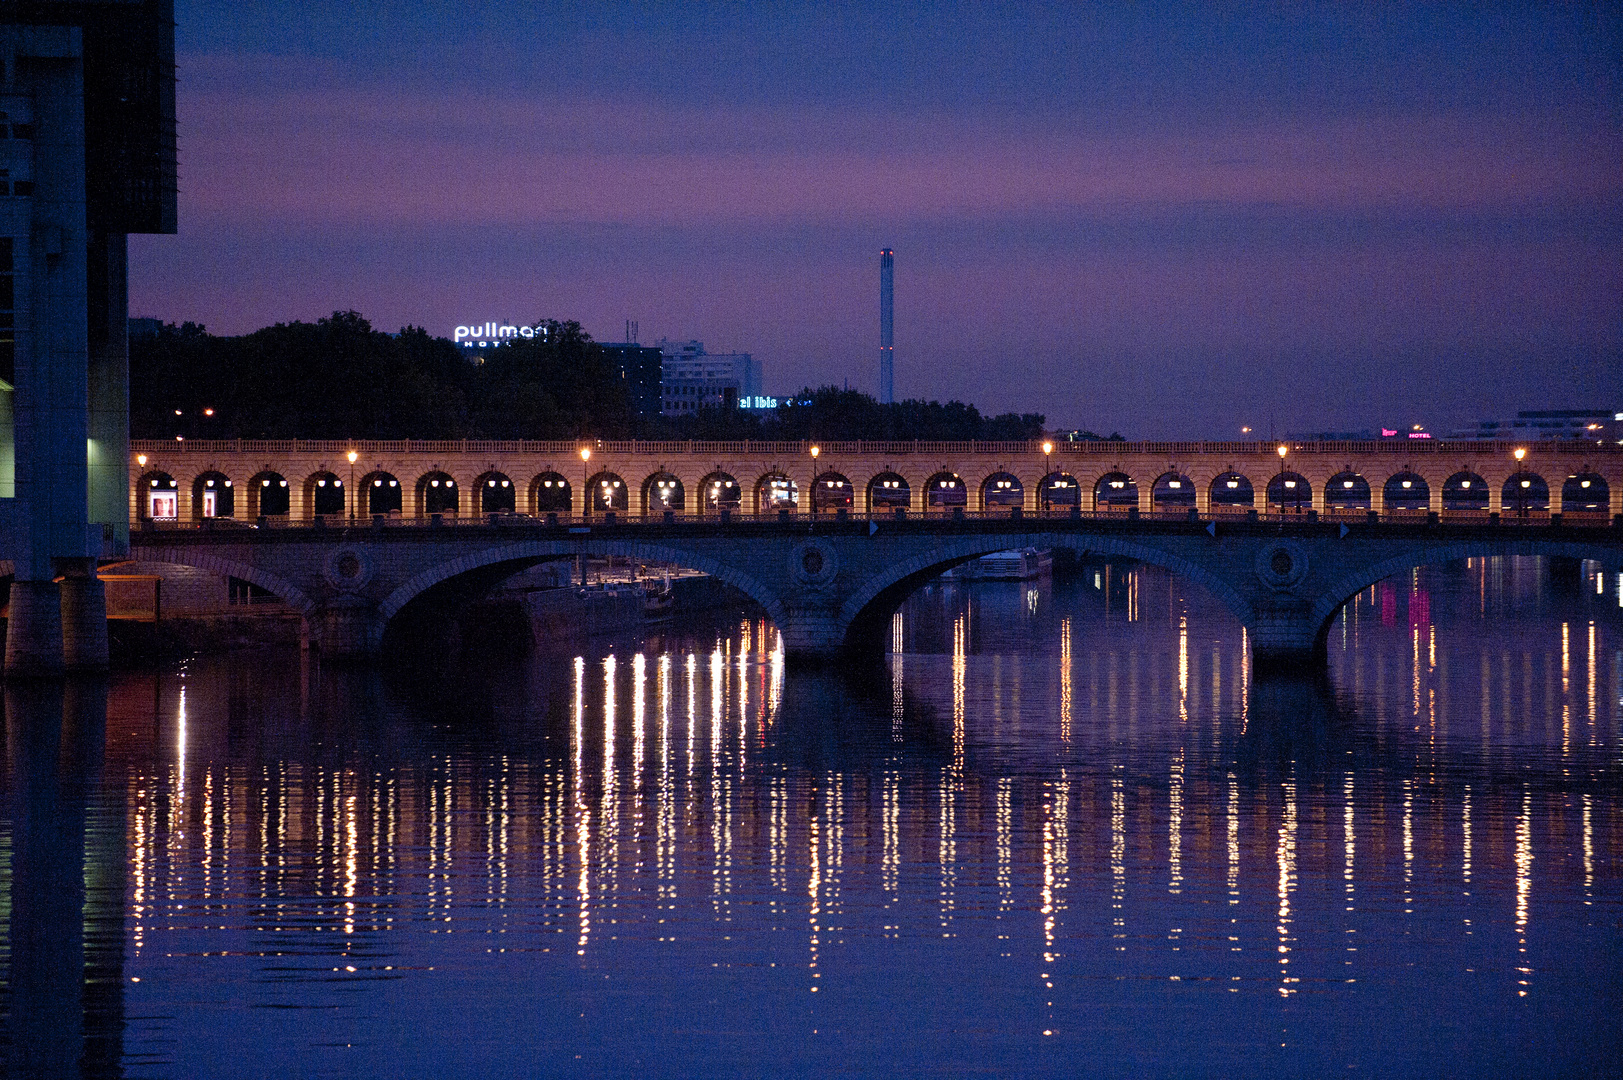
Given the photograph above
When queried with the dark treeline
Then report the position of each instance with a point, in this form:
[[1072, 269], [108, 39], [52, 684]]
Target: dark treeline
[[338, 378]]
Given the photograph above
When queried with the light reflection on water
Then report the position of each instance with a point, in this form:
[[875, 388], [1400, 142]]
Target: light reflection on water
[[1058, 825]]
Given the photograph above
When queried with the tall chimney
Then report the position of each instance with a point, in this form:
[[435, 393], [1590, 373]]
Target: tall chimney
[[886, 327]]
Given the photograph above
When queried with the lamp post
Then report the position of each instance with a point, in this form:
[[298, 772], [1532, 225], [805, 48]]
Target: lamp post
[[1048, 472], [1283, 450], [1519, 491], [353, 494], [815, 450], [585, 504]]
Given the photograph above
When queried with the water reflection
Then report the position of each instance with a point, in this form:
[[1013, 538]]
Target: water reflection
[[1053, 810]]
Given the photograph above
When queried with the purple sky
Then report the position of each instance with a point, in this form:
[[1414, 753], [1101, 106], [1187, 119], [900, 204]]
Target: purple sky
[[1171, 223]]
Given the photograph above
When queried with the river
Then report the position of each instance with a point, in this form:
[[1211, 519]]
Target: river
[[1057, 830]]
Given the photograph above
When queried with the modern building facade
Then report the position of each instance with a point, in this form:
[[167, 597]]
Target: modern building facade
[[693, 379], [87, 107]]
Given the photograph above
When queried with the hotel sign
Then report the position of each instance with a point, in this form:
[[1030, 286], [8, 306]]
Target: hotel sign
[[497, 333]]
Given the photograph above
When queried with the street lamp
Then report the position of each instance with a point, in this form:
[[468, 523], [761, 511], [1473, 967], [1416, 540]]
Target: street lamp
[[585, 505], [815, 450], [353, 494], [1283, 450], [1519, 491], [1048, 472]]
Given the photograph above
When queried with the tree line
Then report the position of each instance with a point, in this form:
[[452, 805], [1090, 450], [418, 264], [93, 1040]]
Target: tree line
[[339, 378]]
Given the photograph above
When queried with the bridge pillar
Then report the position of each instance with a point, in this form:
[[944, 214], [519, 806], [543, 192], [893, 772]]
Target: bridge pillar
[[347, 627], [84, 617], [812, 633], [1283, 638], [34, 630]]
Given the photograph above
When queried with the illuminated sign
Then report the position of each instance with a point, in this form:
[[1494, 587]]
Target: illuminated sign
[[495, 333], [758, 403]]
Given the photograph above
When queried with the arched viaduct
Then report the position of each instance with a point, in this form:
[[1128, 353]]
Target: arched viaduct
[[296, 481], [829, 585], [825, 536]]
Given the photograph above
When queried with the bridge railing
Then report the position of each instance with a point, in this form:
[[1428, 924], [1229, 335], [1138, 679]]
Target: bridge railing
[[1093, 448]]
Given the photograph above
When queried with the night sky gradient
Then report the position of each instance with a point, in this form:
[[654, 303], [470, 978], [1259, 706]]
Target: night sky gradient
[[1168, 221]]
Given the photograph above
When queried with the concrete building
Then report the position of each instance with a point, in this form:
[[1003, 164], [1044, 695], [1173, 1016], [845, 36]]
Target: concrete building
[[87, 108], [693, 379]]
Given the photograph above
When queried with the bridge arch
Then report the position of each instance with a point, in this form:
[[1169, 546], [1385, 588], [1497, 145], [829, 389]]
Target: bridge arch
[[1115, 491], [529, 552], [1585, 491], [1465, 490], [1346, 491], [268, 495], [159, 496], [720, 491], [661, 492], [1231, 491], [1172, 492], [382, 493], [872, 603], [1525, 493], [1060, 489], [437, 494], [207, 558], [213, 495], [943, 491], [889, 491], [1322, 614], [607, 491], [1290, 492], [550, 493], [1002, 490], [1406, 490], [831, 491], [324, 494], [496, 493], [776, 491]]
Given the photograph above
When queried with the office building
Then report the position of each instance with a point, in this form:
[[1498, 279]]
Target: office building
[[693, 379], [87, 156]]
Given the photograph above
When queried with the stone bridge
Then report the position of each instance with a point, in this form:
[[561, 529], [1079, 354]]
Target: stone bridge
[[830, 584], [296, 481]]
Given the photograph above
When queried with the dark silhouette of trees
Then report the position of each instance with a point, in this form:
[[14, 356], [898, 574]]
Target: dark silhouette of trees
[[338, 378]]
